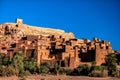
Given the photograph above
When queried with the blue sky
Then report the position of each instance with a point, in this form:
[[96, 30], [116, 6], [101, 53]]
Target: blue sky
[[85, 18]]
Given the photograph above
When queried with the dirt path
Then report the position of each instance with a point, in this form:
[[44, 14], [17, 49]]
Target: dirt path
[[53, 77]]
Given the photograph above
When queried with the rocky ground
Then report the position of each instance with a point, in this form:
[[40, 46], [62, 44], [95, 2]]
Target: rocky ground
[[53, 77]]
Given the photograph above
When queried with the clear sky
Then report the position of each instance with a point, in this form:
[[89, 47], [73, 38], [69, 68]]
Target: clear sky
[[85, 18]]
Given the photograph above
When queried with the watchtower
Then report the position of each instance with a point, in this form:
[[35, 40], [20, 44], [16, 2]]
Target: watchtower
[[19, 21]]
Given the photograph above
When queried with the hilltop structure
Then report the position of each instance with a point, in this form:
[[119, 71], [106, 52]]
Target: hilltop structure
[[52, 45]]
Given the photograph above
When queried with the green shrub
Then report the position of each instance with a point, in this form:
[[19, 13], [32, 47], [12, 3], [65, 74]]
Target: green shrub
[[17, 62], [6, 60], [82, 70], [29, 64], [43, 68], [1, 58], [56, 68], [68, 71], [62, 71], [46, 64], [111, 62]]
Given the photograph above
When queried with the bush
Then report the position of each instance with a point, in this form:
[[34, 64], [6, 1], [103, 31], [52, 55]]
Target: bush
[[104, 73], [1, 58], [64, 71], [11, 71], [43, 68], [24, 73], [68, 71], [8, 71], [17, 62], [2, 70], [6, 60], [100, 68], [46, 64], [97, 73], [30, 66], [82, 70]]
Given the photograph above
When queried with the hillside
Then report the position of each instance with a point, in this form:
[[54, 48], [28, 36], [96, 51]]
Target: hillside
[[21, 29]]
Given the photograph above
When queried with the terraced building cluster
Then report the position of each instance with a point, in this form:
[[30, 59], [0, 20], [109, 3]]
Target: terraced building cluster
[[52, 45]]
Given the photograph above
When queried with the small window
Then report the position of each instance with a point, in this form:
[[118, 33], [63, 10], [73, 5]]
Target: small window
[[13, 45], [106, 47], [60, 37], [16, 25], [3, 48], [33, 41], [62, 64], [101, 47]]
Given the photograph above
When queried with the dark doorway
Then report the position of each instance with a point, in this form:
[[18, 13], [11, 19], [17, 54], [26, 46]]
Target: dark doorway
[[30, 53], [87, 57], [62, 64]]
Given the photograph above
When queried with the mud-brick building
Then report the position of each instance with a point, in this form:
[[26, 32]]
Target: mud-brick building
[[70, 53], [55, 48]]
